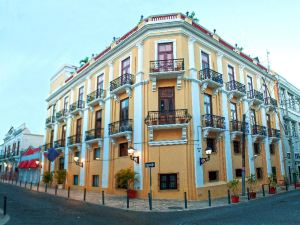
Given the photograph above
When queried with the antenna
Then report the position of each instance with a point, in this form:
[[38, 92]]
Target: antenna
[[268, 61]]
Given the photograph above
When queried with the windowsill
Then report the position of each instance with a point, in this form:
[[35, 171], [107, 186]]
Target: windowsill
[[172, 190]]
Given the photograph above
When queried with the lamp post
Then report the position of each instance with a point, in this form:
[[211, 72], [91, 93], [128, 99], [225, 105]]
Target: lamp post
[[131, 151], [77, 162], [208, 152]]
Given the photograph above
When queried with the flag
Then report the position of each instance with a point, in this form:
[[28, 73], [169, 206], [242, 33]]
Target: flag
[[52, 154]]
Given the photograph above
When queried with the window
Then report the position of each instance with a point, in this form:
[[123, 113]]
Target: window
[[96, 154], [124, 104], [238, 172], [253, 117], [272, 149], [168, 181], [123, 149], [166, 99], [100, 82], [282, 96], [95, 180], [80, 97], [230, 73], [53, 110], [165, 51], [61, 165], [213, 176], [77, 154], [290, 101], [98, 119], [66, 102], [233, 111], [268, 122], [18, 148], [265, 90], [210, 142], [63, 134], [288, 155], [51, 137], [236, 147], [75, 179], [207, 104], [274, 171], [259, 173], [204, 60], [125, 66], [297, 156], [294, 132], [256, 148], [286, 127], [250, 85]]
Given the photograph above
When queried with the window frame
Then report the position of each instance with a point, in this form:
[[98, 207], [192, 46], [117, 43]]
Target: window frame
[[217, 176], [169, 184], [95, 155], [123, 155]]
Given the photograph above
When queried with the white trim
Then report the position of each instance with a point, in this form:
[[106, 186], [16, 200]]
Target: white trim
[[165, 41]]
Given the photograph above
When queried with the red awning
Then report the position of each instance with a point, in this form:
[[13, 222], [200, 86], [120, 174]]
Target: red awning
[[25, 165], [22, 164], [32, 163]]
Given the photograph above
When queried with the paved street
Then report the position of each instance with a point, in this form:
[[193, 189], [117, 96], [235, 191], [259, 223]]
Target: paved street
[[28, 207]]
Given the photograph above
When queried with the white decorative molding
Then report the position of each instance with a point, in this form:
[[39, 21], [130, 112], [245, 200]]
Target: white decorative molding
[[167, 142]]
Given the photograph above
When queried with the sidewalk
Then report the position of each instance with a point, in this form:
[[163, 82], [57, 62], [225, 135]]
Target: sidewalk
[[142, 204]]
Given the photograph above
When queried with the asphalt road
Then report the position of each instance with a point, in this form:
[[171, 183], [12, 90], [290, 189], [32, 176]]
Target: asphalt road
[[31, 208]]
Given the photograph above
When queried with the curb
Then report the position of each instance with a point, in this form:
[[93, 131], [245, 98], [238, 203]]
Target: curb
[[3, 219]]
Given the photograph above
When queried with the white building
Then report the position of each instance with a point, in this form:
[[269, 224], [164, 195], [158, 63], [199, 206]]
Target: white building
[[16, 141]]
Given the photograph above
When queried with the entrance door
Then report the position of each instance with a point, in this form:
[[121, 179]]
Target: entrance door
[[209, 121], [98, 123], [165, 56], [78, 130], [166, 105]]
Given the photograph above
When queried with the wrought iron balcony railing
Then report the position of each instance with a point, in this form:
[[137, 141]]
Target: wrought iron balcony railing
[[120, 126], [50, 119], [235, 86], [62, 113], [60, 143], [121, 80], [74, 139], [236, 125], [93, 134], [170, 65], [209, 120], [95, 95], [271, 101], [208, 74], [254, 94], [273, 132], [47, 146], [177, 116], [259, 130], [77, 105]]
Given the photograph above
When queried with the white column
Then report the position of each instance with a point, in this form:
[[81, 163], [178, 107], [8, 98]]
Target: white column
[[227, 140], [138, 118], [85, 128], [281, 156], [54, 139], [197, 132], [266, 141], [106, 144]]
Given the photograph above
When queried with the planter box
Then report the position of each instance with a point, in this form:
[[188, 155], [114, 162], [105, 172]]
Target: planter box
[[235, 199], [252, 195], [132, 193], [272, 190]]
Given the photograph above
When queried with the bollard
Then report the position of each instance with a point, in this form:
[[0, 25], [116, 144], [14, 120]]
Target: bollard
[[30, 186], [286, 186], [37, 187], [56, 189], [46, 187], [185, 200], [295, 185], [68, 192], [248, 194], [263, 190], [102, 197], [84, 194], [228, 196], [20, 183], [209, 198], [127, 198], [150, 201], [25, 184], [4, 206]]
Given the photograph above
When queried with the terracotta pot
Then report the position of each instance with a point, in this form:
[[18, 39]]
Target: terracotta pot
[[252, 195], [272, 190], [235, 199], [132, 193]]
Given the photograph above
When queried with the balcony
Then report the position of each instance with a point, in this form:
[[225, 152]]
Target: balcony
[[274, 135], [121, 129], [77, 107], [258, 133], [172, 119], [121, 84], [60, 144], [255, 98], [74, 141], [47, 146], [50, 121], [61, 115], [166, 69], [210, 79], [96, 98], [271, 104], [235, 89], [236, 128], [213, 125], [94, 136]]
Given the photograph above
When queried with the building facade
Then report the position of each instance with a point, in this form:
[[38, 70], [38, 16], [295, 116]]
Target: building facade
[[289, 105], [170, 89], [15, 142]]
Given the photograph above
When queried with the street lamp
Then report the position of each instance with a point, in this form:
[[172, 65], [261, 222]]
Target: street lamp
[[136, 159], [5, 164], [208, 152], [77, 162]]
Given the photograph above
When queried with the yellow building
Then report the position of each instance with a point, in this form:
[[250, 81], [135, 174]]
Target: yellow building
[[170, 89]]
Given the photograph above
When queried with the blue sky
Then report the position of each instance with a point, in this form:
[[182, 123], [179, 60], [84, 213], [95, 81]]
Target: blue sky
[[37, 37]]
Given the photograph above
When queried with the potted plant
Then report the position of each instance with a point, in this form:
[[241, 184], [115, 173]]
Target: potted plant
[[47, 177], [272, 184], [234, 187], [125, 179], [60, 176], [251, 180]]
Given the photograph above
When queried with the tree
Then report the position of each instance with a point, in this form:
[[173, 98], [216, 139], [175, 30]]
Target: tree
[[192, 16], [84, 61]]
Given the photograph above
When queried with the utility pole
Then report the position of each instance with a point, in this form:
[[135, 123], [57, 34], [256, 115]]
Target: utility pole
[[243, 155]]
